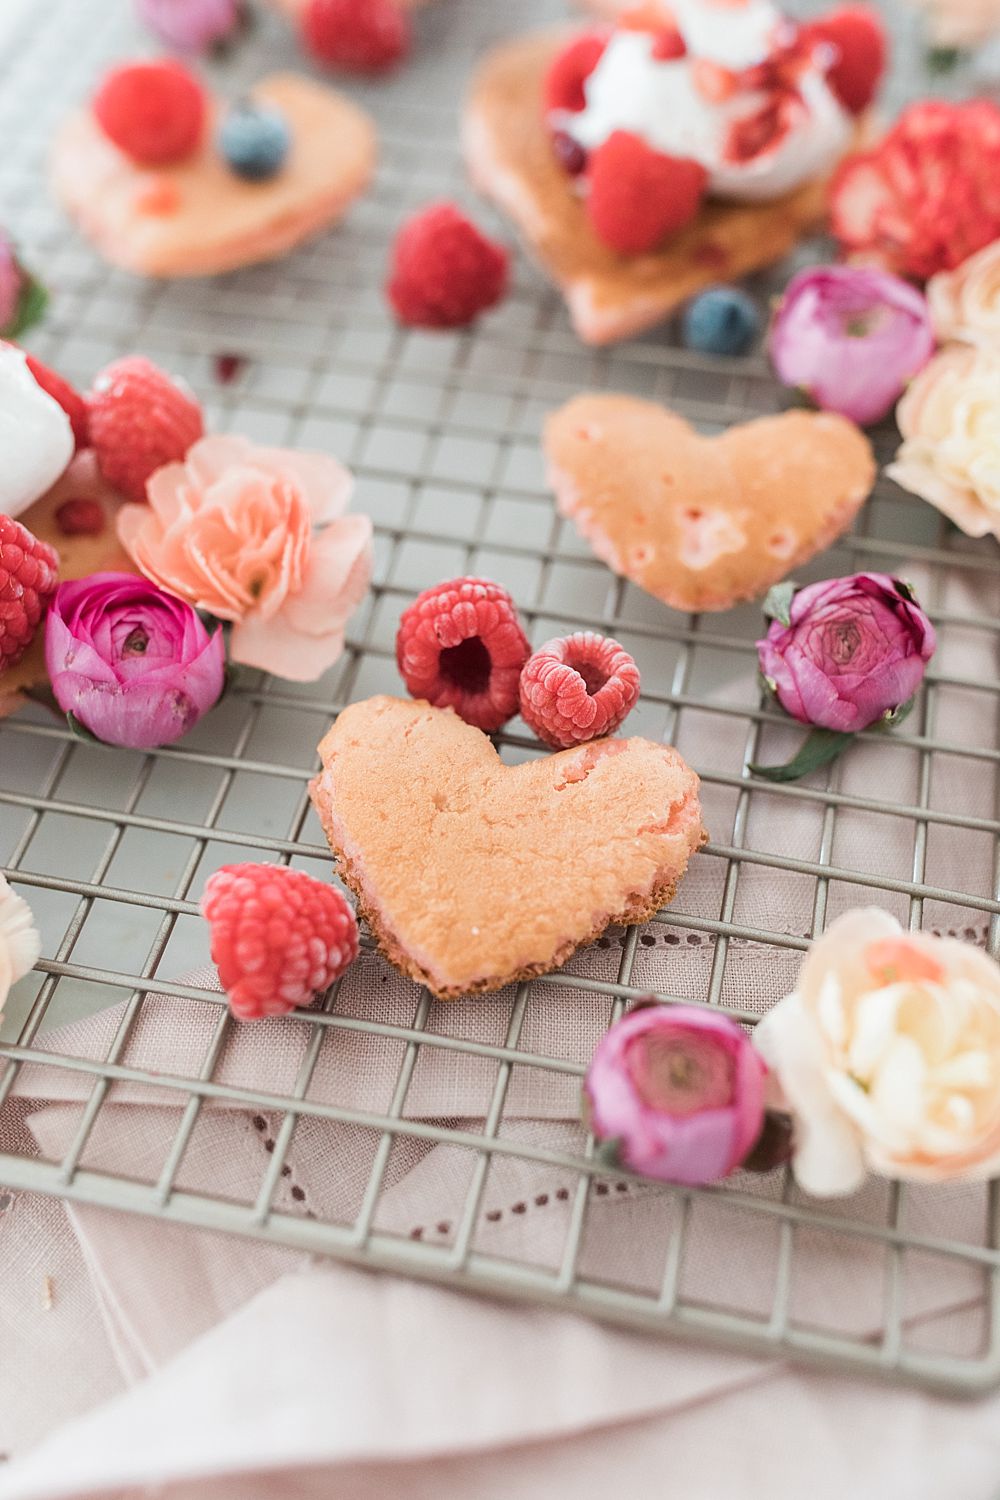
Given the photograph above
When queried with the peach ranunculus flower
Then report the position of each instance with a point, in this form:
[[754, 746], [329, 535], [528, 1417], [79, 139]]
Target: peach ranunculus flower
[[230, 530], [888, 1054], [965, 303], [950, 421], [964, 24]]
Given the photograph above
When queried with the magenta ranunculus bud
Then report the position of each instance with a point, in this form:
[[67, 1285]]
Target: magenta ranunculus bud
[[191, 25], [679, 1090], [130, 663], [851, 337], [853, 650]]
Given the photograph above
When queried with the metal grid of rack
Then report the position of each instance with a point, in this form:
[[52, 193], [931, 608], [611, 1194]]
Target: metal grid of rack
[[112, 849]]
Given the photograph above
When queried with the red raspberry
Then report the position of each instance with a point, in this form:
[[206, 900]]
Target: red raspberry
[[279, 937], [578, 687], [140, 419], [858, 40], [460, 645], [638, 196], [61, 392], [153, 111], [29, 573], [927, 196], [668, 44], [569, 70], [364, 36], [444, 272], [70, 400], [81, 517]]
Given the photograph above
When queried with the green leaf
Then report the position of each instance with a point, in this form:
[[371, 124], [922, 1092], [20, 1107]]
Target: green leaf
[[943, 59], [607, 1153], [778, 604], [31, 304], [819, 748], [897, 715], [81, 731]]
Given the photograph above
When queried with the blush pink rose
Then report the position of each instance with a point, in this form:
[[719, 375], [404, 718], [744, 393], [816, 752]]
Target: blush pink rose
[[888, 1054], [965, 303], [231, 531], [950, 422]]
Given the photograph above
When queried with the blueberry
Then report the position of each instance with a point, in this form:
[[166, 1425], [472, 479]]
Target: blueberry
[[722, 320], [254, 139]]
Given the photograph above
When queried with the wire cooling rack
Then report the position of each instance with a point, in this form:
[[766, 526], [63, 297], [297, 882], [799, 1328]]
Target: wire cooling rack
[[111, 849]]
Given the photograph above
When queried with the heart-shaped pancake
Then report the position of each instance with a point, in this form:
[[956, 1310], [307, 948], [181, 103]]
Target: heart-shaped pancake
[[472, 873], [704, 522], [610, 296], [196, 218]]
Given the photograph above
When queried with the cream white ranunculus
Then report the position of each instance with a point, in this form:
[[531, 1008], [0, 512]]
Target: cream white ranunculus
[[950, 422], [965, 303], [888, 1055], [20, 944]]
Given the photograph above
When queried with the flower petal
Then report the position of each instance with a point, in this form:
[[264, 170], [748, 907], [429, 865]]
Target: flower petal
[[276, 646]]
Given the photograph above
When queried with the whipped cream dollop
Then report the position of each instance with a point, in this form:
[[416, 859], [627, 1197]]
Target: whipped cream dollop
[[697, 105], [36, 439]]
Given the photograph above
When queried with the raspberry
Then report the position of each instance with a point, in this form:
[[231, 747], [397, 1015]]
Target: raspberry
[[444, 272], [578, 687], [140, 419], [460, 645], [638, 196], [364, 36], [227, 367], [927, 196], [857, 37], [570, 155], [153, 111], [29, 573], [81, 517], [569, 71], [668, 44], [70, 400], [279, 937]]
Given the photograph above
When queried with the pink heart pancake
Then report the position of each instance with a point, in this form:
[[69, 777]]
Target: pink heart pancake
[[704, 522], [197, 217], [472, 873]]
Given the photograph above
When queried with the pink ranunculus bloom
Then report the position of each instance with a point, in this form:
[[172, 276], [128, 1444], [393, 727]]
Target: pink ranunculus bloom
[[191, 25], [680, 1090], [888, 1056], [231, 531], [855, 650], [135, 666], [851, 337]]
